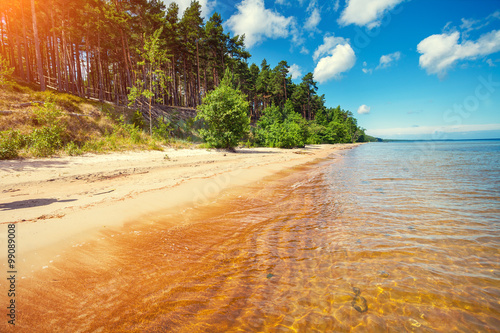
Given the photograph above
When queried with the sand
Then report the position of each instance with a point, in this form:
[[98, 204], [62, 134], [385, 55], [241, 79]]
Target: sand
[[58, 203]]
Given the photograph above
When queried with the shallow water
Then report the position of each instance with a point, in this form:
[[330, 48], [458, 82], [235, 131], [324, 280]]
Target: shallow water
[[390, 237]]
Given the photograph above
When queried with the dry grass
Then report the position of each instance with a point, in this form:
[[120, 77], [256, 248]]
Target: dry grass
[[67, 124]]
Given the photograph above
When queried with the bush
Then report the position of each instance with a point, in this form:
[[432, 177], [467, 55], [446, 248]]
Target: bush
[[10, 144], [47, 114], [161, 130], [72, 149], [225, 113], [281, 128], [138, 120], [46, 140]]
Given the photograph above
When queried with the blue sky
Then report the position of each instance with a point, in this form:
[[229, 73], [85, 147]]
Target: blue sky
[[415, 69]]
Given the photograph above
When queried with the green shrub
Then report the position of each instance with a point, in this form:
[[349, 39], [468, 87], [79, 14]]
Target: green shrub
[[10, 143], [281, 128], [161, 130], [138, 120], [225, 113], [93, 146], [72, 149], [47, 114], [45, 141]]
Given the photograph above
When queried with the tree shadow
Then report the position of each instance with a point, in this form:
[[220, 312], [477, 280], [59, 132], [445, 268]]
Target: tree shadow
[[30, 164], [252, 151], [30, 203]]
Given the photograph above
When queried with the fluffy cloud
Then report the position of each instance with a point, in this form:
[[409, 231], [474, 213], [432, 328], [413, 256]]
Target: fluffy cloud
[[329, 43], [206, 6], [364, 109], [295, 71], [440, 52], [366, 12], [258, 23], [387, 60], [313, 20], [340, 60]]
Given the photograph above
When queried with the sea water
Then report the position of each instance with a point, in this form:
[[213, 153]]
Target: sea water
[[386, 237]]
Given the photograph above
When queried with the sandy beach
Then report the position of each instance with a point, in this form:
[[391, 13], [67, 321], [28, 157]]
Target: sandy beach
[[65, 211], [59, 202]]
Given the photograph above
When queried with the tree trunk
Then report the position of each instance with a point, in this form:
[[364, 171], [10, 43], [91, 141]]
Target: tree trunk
[[87, 58], [99, 66], [56, 52], [79, 82], [28, 74], [127, 70], [198, 95], [20, 59], [37, 48], [10, 37]]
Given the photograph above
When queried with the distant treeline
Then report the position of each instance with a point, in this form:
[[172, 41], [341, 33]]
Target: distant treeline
[[104, 48]]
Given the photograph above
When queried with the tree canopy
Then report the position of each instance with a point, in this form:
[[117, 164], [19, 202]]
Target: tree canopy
[[120, 50]]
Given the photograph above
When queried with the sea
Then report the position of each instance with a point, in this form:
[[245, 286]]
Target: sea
[[384, 237]]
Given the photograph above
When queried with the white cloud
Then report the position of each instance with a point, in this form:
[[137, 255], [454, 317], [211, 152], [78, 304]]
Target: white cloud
[[329, 43], [304, 50], [440, 52], [469, 25], [207, 6], [365, 69], [364, 109], [429, 130], [366, 12], [295, 71], [313, 20], [387, 60], [259, 23], [341, 60], [336, 6]]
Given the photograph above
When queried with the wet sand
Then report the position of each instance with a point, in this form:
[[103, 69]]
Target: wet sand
[[60, 204]]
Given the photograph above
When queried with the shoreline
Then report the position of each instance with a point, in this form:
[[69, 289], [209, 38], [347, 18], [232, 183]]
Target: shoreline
[[59, 203]]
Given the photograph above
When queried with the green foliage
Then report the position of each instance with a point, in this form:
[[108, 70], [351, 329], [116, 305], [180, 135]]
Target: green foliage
[[161, 131], [154, 56], [45, 141], [224, 111], [72, 149], [5, 70], [11, 142], [134, 132], [47, 114], [281, 127], [138, 119]]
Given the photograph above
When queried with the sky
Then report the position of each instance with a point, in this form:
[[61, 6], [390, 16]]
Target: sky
[[407, 69]]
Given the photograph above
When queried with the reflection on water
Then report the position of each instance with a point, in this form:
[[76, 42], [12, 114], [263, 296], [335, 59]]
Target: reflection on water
[[381, 240]]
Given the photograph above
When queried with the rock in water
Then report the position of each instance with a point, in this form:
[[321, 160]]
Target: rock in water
[[359, 302], [384, 274]]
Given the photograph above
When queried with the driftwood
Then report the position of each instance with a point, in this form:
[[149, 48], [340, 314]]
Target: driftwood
[[24, 105]]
